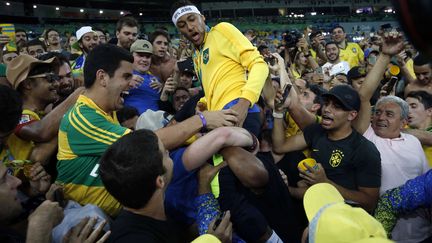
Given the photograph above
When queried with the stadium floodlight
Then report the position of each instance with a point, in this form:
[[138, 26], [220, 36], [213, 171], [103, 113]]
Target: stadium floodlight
[[101, 11], [34, 6], [121, 12], [140, 14], [82, 10], [313, 13], [57, 8], [7, 3]]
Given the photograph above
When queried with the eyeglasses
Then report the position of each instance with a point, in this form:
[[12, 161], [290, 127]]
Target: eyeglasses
[[50, 77]]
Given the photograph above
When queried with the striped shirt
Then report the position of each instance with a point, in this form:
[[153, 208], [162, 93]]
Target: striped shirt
[[86, 131]]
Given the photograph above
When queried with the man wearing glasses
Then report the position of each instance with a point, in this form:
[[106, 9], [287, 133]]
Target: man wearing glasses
[[37, 82]]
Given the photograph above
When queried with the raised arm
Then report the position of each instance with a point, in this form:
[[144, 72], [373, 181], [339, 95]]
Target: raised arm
[[392, 45], [205, 147]]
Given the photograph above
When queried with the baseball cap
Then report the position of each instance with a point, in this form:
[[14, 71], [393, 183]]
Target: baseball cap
[[80, 33], [356, 72], [186, 65], [20, 67], [332, 220], [368, 51], [346, 95], [142, 46]]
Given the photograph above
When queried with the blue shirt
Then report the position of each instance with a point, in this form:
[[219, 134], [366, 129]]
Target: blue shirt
[[144, 97], [181, 191], [413, 194]]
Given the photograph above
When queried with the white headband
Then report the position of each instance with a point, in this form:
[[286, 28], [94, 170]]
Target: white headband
[[182, 11]]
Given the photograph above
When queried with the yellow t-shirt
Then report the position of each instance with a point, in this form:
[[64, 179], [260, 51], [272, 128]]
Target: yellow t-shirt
[[229, 67], [353, 54], [21, 149]]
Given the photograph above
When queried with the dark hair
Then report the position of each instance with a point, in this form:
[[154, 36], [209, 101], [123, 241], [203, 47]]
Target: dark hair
[[99, 29], [424, 97], [106, 57], [421, 60], [130, 166], [126, 21], [337, 27], [20, 30], [49, 30], [262, 48], [126, 113], [157, 33], [179, 4], [331, 43], [61, 59], [10, 108], [36, 42], [180, 88]]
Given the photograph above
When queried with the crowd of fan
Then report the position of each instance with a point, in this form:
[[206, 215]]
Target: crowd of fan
[[131, 140]]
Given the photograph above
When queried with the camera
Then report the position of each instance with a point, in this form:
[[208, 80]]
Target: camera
[[291, 38]]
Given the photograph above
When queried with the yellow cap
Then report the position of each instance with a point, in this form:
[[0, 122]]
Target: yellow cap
[[331, 220], [309, 161]]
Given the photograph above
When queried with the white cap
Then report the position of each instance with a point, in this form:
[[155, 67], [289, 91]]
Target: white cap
[[82, 31]]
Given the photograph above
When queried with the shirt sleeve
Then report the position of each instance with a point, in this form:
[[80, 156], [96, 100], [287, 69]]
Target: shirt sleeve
[[413, 194], [94, 132], [249, 58]]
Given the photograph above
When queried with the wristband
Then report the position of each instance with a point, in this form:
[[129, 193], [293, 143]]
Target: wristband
[[254, 143], [278, 115], [204, 122]]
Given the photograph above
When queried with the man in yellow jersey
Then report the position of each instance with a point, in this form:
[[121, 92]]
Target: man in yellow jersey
[[37, 83], [91, 126], [229, 67], [349, 51]]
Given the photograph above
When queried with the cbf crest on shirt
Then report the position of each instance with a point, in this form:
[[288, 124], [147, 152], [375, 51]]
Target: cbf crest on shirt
[[206, 56]]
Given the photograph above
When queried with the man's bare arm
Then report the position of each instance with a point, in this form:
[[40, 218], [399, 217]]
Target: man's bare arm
[[47, 128], [246, 166]]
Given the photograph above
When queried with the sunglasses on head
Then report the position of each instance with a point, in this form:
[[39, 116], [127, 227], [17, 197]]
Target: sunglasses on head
[[50, 77]]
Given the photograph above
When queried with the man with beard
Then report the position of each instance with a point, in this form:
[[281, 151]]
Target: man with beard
[[87, 39], [66, 85], [20, 36], [423, 72], [334, 64], [146, 95], [222, 58], [126, 32], [349, 51], [162, 63], [37, 82]]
